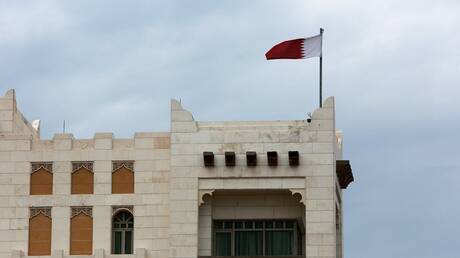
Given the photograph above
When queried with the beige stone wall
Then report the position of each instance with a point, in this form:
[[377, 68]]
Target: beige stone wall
[[150, 199], [175, 197], [20, 145], [316, 142]]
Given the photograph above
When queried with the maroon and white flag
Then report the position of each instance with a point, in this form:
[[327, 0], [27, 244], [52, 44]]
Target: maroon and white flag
[[297, 48]]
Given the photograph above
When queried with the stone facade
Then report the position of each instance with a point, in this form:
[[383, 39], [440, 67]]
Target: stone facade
[[176, 197]]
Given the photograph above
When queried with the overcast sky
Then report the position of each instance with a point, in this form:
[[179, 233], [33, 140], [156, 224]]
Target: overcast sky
[[392, 65]]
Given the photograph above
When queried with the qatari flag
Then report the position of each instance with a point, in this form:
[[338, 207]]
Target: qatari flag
[[297, 48]]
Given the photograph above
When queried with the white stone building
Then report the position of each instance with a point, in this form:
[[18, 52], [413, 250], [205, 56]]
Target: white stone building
[[259, 188]]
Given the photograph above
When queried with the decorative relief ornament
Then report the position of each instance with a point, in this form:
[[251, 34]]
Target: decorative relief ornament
[[88, 211], [129, 164], [117, 208], [48, 166], [37, 210], [88, 165]]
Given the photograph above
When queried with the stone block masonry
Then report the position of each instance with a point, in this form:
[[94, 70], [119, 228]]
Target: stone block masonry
[[174, 200]]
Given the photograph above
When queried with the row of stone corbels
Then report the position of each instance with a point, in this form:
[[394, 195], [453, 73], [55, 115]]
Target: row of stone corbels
[[101, 141]]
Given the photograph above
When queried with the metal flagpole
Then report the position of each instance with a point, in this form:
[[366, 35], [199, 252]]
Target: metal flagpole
[[321, 30]]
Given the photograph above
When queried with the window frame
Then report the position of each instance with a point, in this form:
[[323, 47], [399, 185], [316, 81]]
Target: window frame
[[296, 246], [123, 231]]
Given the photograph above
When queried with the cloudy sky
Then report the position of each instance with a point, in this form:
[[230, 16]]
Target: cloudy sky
[[392, 65]]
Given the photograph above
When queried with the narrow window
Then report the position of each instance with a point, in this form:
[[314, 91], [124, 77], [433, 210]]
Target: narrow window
[[122, 232], [122, 177], [81, 231], [40, 231], [41, 178], [82, 178]]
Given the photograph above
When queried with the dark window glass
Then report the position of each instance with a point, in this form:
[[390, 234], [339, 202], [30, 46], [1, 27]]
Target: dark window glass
[[278, 224], [128, 242], [238, 224], [268, 224], [117, 243], [257, 238], [248, 224], [223, 244], [279, 242], [248, 243], [228, 224], [218, 224]]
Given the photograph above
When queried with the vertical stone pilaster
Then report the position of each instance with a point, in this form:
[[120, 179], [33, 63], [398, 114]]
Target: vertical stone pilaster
[[102, 219], [60, 237], [205, 229], [320, 231], [183, 196], [57, 253], [99, 253]]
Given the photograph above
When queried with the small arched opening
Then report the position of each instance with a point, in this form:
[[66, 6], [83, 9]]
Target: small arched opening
[[122, 232]]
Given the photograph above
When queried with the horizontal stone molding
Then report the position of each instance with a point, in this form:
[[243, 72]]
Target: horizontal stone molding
[[255, 183]]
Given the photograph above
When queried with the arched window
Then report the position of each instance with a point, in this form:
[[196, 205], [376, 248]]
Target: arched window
[[41, 178], [122, 232], [82, 178], [122, 177]]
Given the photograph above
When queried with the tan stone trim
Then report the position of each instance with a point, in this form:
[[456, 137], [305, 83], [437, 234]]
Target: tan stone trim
[[88, 165], [249, 183], [300, 192], [40, 210], [128, 164], [117, 208], [202, 194], [35, 166], [88, 211]]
